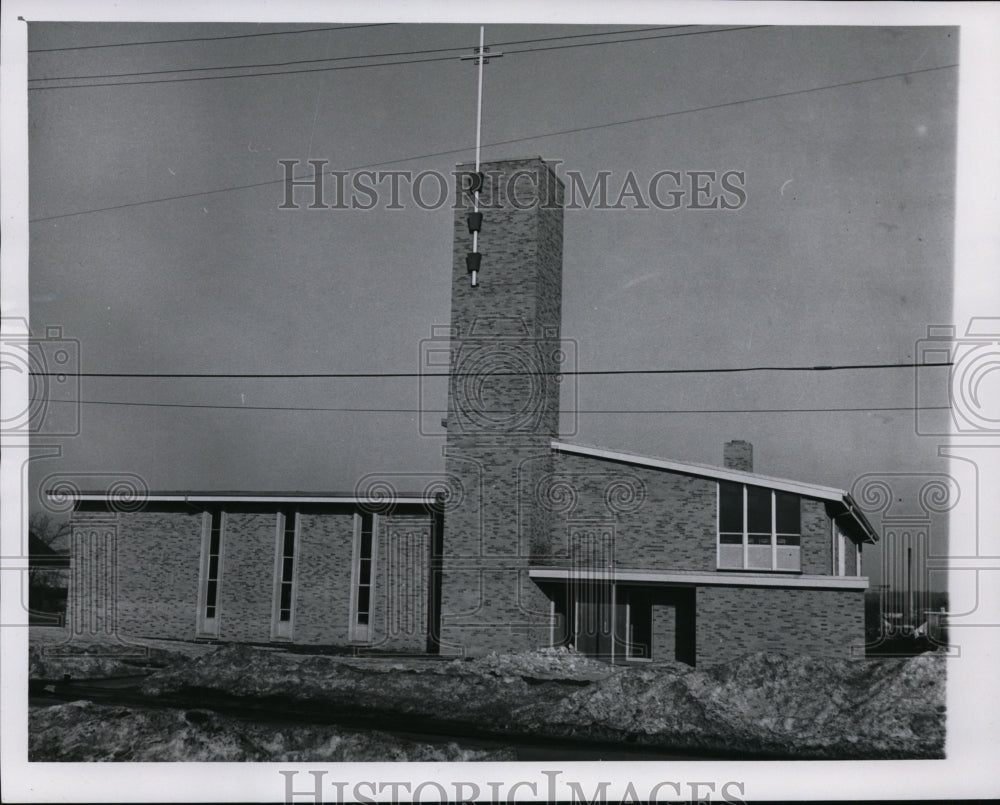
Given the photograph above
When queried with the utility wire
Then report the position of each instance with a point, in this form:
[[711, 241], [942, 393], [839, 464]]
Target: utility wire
[[375, 64], [445, 411], [567, 373], [362, 56], [446, 152], [212, 38]]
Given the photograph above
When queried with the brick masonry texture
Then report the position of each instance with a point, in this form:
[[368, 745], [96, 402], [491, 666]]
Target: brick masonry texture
[[156, 562], [731, 621], [323, 579], [664, 632], [246, 592], [738, 455], [503, 410], [158, 557], [662, 520], [402, 577]]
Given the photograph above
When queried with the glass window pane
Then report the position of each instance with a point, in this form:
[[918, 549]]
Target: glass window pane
[[758, 509], [730, 507], [789, 539], [286, 570], [758, 539], [286, 596], [362, 618], [212, 591], [366, 544], [787, 512], [731, 539], [362, 599], [213, 567]]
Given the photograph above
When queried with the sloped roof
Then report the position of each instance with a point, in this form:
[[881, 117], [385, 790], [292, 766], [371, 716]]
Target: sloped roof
[[828, 493]]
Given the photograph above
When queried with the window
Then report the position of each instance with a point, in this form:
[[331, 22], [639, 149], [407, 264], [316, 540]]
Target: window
[[285, 575], [759, 528], [213, 528], [363, 577]]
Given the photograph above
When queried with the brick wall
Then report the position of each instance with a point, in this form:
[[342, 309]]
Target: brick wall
[[731, 621], [664, 632], [246, 591], [158, 555], [402, 576], [503, 410], [323, 583], [816, 536], [155, 558], [850, 557], [662, 520]]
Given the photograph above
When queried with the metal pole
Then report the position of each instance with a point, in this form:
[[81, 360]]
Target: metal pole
[[479, 128]]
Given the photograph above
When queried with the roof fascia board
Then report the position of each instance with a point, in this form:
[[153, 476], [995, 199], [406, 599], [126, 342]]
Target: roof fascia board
[[723, 579], [705, 470]]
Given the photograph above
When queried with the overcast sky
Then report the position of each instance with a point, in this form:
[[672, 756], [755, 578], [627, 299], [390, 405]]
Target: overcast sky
[[841, 254]]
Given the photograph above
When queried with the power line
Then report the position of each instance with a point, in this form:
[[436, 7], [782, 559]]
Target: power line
[[212, 38], [364, 56], [446, 152], [243, 75], [376, 64], [567, 373], [365, 410]]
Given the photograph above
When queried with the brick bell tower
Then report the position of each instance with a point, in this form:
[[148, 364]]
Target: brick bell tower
[[503, 407]]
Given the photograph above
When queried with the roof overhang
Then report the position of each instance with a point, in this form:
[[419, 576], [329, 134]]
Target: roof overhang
[[827, 493], [722, 578], [248, 497]]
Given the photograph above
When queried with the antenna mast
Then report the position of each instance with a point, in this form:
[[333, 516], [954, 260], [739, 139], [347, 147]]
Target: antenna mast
[[473, 258]]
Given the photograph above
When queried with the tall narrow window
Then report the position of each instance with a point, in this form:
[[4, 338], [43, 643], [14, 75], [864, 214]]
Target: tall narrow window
[[363, 577], [285, 574], [759, 528], [211, 574]]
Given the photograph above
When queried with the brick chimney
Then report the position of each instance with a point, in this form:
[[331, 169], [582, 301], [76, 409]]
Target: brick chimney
[[738, 455]]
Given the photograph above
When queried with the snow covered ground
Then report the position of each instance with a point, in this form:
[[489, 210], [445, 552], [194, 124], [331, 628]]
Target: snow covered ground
[[762, 705]]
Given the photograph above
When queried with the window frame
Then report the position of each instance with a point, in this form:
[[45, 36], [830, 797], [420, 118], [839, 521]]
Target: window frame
[[746, 534], [284, 630], [209, 627], [358, 632]]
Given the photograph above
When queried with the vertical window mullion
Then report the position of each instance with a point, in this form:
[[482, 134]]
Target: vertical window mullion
[[284, 571], [774, 531], [746, 550]]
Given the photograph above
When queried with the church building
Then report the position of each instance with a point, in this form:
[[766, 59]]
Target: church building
[[525, 541]]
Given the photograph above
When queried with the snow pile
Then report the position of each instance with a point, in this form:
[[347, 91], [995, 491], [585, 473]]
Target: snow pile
[[81, 731], [54, 654], [767, 704], [762, 704], [559, 663]]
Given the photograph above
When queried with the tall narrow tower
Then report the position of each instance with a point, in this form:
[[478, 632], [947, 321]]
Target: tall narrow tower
[[503, 408]]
